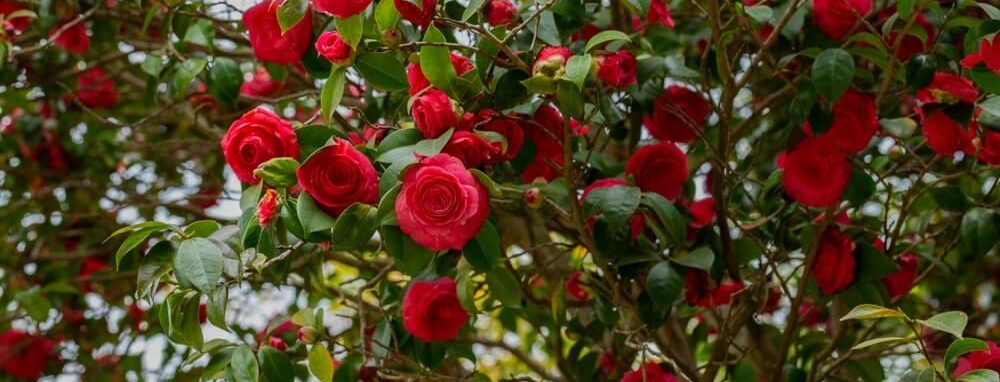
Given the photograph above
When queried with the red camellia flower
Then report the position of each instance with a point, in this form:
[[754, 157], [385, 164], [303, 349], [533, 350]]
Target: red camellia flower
[[333, 48], [441, 205], [72, 38], [576, 290], [16, 24], [277, 343], [471, 149], [836, 17], [509, 128], [268, 207], [702, 213], [900, 283], [948, 88], [659, 13], [551, 60], [987, 148], [833, 269], [434, 113], [24, 355], [854, 123], [342, 9], [816, 174], [981, 359], [88, 267], [660, 168], [262, 85], [255, 138], [370, 134], [649, 372], [266, 39], [431, 311], [699, 292], [945, 135], [636, 224], [96, 90], [500, 12], [616, 69], [418, 82], [988, 54], [337, 176], [418, 15], [677, 113]]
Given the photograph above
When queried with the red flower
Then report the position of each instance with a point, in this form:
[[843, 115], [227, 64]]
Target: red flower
[[585, 33], [616, 69], [262, 85], [608, 362], [833, 268], [981, 359], [677, 113], [268, 207], [636, 225], [500, 12], [854, 123], [911, 45], [900, 283], [550, 61], [547, 167], [988, 54], [698, 290], [945, 135], [649, 372], [948, 88], [660, 168], [547, 132], [342, 9], [25, 355], [434, 113], [88, 267], [816, 174], [418, 15], [809, 313], [471, 149], [73, 38], [333, 48], [574, 289], [702, 213], [431, 311], [337, 176], [16, 24], [988, 150], [441, 205], [368, 134], [837, 17], [266, 39], [277, 343], [418, 82], [507, 127], [96, 90], [659, 13], [255, 138]]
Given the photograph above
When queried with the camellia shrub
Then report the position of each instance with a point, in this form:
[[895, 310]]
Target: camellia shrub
[[487, 190]]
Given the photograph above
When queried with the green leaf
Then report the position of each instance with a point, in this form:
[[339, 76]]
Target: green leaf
[[355, 226], [198, 264], [312, 217], [333, 92], [351, 29], [991, 105], [320, 362], [290, 13], [435, 62], [977, 231], [603, 37], [570, 99], [761, 13], [991, 11], [491, 186], [186, 73], [278, 172], [951, 198], [216, 307], [920, 71], [900, 127], [483, 252], [832, 73], [673, 222], [244, 365], [869, 311], [202, 228], [389, 150], [504, 287], [386, 15], [153, 65], [616, 204], [275, 364], [952, 322], [664, 284], [701, 258], [189, 326], [959, 348], [878, 341], [980, 375], [382, 71], [860, 188], [224, 80], [577, 69], [546, 29], [905, 8], [132, 242], [410, 258], [153, 266], [925, 375], [472, 8], [431, 147]]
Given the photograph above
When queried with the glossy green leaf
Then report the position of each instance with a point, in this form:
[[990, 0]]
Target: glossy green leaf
[[244, 365], [278, 172], [484, 252], [435, 62], [832, 73], [603, 37], [382, 71], [869, 312], [198, 264], [354, 227], [616, 204], [275, 365], [333, 92], [952, 322], [320, 363], [664, 284], [504, 287]]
